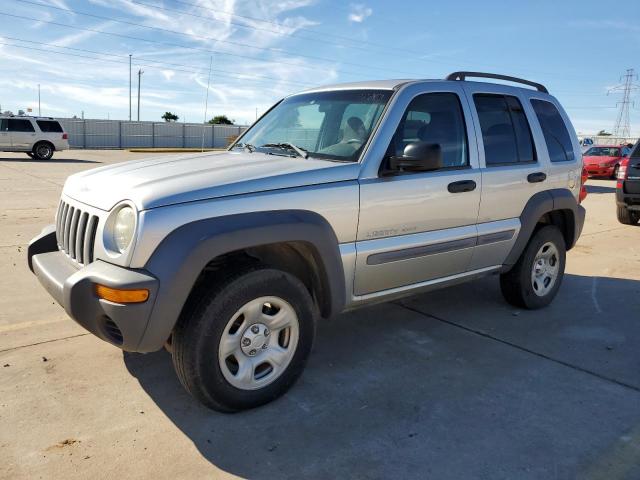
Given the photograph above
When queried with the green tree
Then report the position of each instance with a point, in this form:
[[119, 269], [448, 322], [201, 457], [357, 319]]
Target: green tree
[[170, 117], [602, 133], [221, 120]]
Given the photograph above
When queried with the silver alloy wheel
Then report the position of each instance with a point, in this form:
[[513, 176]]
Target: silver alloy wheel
[[258, 343], [43, 151], [546, 266]]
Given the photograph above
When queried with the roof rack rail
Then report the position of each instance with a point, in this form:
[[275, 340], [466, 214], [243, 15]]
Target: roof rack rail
[[464, 75]]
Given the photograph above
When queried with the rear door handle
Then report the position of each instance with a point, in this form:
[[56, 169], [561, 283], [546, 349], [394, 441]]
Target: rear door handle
[[462, 186], [536, 177]]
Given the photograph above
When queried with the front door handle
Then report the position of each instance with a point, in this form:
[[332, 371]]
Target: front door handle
[[536, 177], [462, 186]]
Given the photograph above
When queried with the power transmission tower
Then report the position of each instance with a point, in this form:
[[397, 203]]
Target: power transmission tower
[[623, 124]]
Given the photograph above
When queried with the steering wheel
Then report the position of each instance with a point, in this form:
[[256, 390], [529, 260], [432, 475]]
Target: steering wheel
[[354, 140]]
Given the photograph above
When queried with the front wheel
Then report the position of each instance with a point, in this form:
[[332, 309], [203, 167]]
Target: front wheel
[[243, 342], [534, 280]]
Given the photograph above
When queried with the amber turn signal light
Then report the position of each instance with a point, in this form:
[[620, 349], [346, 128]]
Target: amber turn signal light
[[122, 296]]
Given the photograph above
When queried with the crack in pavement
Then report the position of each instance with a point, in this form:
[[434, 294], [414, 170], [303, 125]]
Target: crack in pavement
[[31, 175], [521, 348], [43, 342]]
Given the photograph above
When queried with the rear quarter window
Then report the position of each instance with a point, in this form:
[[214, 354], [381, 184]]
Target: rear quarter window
[[49, 126], [556, 135]]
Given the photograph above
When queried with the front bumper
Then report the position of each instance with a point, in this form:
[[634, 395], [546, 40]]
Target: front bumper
[[73, 287], [598, 171]]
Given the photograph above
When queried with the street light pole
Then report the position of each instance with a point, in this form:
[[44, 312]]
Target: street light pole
[[140, 72], [129, 87], [206, 102]]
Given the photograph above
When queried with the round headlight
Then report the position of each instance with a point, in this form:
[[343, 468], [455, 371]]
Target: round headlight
[[123, 228]]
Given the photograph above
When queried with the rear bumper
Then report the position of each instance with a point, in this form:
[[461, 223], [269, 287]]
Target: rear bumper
[[61, 145], [629, 200], [73, 287]]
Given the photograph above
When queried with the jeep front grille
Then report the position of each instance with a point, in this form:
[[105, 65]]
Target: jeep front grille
[[76, 232]]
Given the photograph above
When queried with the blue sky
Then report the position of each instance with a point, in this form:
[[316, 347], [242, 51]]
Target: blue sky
[[264, 49]]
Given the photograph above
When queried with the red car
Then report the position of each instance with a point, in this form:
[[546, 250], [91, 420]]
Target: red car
[[605, 160]]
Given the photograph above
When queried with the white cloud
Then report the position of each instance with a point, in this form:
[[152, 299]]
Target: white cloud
[[359, 12], [75, 38], [168, 74], [609, 25]]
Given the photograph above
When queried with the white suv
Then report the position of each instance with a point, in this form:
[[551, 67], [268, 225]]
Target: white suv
[[38, 137], [337, 198]]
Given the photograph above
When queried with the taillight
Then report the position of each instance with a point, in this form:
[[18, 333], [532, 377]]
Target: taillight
[[622, 170], [65, 136], [583, 180]]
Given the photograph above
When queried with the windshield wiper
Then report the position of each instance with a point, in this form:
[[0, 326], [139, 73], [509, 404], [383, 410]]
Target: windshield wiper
[[289, 146], [246, 146]]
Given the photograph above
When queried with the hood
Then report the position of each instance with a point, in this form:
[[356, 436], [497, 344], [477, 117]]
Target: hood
[[167, 180]]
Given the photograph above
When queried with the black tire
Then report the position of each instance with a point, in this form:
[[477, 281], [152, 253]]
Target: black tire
[[43, 151], [614, 175], [626, 216], [30, 154], [516, 284], [197, 336]]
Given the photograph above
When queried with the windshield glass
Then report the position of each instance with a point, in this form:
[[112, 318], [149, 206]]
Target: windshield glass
[[331, 125], [603, 152]]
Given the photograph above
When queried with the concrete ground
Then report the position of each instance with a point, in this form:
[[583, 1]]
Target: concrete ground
[[454, 384]]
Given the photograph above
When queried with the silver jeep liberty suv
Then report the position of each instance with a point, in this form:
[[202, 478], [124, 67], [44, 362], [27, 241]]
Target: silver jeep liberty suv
[[338, 197]]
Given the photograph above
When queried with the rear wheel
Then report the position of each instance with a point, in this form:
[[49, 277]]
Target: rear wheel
[[627, 216], [534, 280], [43, 151], [243, 342]]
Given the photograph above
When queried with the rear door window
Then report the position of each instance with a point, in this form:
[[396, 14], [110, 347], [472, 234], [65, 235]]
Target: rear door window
[[505, 130], [49, 126], [556, 135], [18, 125]]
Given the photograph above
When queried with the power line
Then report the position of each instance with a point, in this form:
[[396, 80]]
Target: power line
[[197, 69], [202, 37], [226, 73], [295, 33], [413, 53], [254, 19], [178, 45], [453, 64]]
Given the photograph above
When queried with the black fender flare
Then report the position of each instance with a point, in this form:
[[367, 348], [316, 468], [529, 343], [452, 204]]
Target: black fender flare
[[183, 254], [540, 204]]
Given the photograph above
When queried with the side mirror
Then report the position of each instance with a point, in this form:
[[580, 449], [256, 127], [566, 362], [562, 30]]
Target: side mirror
[[417, 157]]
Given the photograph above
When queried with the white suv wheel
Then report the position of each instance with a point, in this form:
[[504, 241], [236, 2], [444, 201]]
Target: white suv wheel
[[258, 343]]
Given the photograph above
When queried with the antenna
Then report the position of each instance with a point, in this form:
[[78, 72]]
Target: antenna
[[622, 127]]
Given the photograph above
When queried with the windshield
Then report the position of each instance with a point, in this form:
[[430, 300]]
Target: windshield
[[328, 125], [603, 152]]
